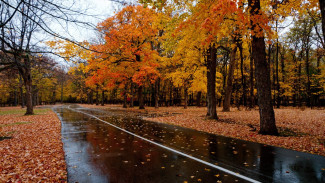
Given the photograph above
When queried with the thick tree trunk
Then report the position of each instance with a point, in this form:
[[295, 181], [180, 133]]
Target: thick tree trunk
[[140, 97], [230, 75], [211, 87], [262, 75]]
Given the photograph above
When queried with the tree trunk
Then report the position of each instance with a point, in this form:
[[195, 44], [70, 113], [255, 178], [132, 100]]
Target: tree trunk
[[273, 83], [53, 96], [140, 97], [21, 92], [103, 97], [185, 96], [251, 78], [157, 93], [228, 91], [308, 76], [91, 97], [125, 97], [282, 65], [278, 99], [299, 83], [262, 75], [62, 91], [198, 99], [97, 96], [322, 10], [28, 86], [243, 78], [132, 95], [211, 78], [15, 97], [171, 94]]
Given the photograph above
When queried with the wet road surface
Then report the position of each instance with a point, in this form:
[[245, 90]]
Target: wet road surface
[[101, 146]]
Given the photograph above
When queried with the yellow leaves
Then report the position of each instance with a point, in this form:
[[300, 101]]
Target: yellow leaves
[[71, 51]]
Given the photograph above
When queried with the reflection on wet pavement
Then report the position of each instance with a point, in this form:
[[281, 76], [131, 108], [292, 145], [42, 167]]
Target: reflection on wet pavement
[[98, 152]]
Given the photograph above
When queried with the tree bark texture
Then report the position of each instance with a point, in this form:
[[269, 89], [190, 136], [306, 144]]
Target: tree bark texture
[[103, 97], [262, 75], [132, 95], [243, 77], [211, 78], [230, 77], [140, 97], [185, 96], [322, 10], [28, 86], [125, 95], [157, 93], [198, 99]]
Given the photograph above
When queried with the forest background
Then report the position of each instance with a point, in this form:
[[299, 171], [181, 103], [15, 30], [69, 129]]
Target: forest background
[[167, 53]]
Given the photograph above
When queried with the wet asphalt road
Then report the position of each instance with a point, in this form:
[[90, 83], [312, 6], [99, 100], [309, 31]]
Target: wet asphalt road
[[141, 151]]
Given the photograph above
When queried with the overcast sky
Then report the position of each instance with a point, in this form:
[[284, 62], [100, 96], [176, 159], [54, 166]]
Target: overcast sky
[[101, 9]]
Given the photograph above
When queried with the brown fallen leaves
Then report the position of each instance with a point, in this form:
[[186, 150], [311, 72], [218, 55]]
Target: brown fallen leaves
[[31, 149], [301, 130]]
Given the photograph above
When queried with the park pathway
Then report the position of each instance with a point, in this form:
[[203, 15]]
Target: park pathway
[[101, 146]]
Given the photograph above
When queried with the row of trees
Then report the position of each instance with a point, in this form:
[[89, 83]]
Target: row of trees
[[24, 25], [224, 50], [47, 79]]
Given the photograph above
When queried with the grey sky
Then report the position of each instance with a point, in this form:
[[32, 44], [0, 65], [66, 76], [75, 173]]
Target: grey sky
[[101, 9]]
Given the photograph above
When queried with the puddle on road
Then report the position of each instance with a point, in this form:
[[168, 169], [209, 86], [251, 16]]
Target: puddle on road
[[97, 152]]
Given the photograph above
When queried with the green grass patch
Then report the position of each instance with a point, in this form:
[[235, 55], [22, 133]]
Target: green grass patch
[[17, 123], [286, 132], [23, 111]]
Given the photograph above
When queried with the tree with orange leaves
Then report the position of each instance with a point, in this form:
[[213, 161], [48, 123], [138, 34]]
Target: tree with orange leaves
[[128, 48]]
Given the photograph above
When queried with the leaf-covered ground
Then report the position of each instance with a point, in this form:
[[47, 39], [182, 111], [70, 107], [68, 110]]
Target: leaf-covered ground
[[31, 149], [301, 130]]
